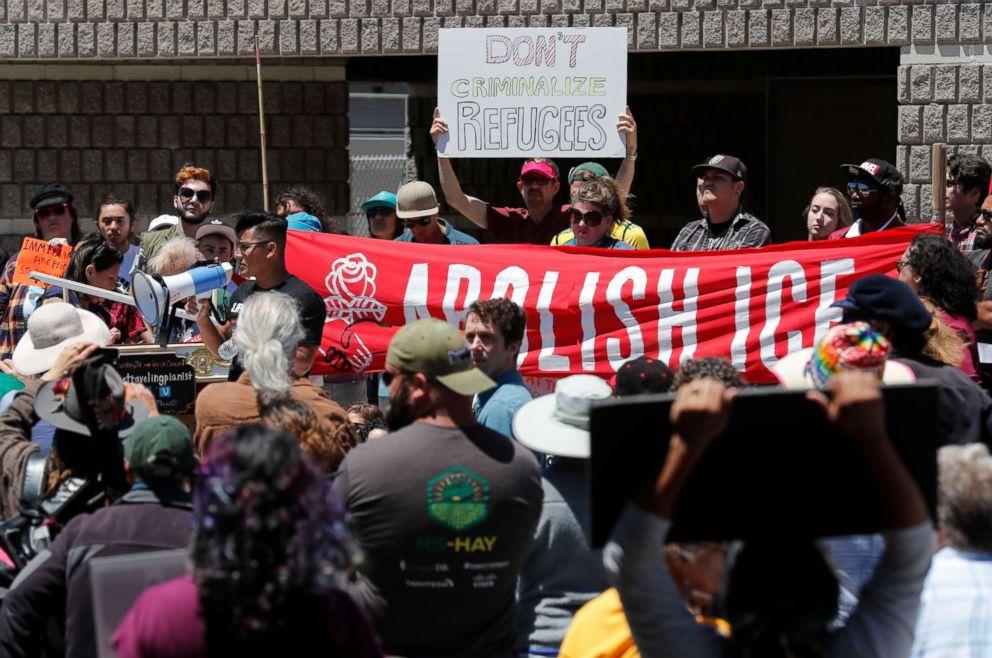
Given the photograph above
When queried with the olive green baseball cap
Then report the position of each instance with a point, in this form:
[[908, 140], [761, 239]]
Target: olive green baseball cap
[[438, 350], [159, 449]]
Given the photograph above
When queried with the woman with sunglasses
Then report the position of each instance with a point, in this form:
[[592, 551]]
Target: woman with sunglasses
[[826, 212], [96, 263], [595, 206], [55, 220], [380, 211]]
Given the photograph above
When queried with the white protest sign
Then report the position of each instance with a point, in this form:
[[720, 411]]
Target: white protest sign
[[531, 92]]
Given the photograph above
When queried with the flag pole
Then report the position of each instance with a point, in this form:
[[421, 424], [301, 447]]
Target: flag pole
[[261, 126]]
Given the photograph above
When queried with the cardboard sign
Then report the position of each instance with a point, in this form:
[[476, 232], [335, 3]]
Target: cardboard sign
[[526, 92], [779, 468], [170, 379], [40, 256]]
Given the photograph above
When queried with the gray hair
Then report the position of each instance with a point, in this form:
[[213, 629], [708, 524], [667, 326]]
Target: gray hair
[[266, 334], [176, 256], [964, 500]]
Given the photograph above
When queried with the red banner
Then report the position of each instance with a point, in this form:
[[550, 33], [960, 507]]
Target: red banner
[[589, 310]]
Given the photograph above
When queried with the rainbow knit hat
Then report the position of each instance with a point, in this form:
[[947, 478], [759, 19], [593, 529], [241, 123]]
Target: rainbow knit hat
[[845, 347]]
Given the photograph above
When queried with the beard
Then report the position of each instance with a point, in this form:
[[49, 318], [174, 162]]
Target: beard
[[400, 412], [983, 242]]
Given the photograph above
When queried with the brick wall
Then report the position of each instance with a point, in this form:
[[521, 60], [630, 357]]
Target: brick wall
[[946, 103], [132, 136], [150, 29]]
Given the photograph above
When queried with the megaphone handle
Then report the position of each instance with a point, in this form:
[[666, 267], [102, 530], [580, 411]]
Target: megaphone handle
[[170, 319]]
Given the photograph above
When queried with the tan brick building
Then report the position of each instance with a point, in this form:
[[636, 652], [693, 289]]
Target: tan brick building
[[115, 94]]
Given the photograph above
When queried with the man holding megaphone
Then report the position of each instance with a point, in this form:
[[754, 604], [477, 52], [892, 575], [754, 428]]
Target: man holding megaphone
[[260, 253]]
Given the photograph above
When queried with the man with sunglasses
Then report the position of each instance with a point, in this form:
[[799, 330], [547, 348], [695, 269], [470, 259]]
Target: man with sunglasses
[[983, 325], [194, 200], [726, 224], [416, 206], [55, 221], [874, 188]]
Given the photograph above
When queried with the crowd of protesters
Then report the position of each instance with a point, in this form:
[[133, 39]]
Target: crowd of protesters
[[446, 510]]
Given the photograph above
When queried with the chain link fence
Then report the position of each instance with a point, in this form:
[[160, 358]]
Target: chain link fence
[[371, 174]]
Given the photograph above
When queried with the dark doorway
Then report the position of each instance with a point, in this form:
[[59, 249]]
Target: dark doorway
[[809, 137]]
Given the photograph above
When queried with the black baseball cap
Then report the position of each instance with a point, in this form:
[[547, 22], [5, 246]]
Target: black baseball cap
[[643, 375], [726, 163], [877, 171]]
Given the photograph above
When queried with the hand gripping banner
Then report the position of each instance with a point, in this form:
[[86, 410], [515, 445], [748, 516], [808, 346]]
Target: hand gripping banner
[[589, 310]]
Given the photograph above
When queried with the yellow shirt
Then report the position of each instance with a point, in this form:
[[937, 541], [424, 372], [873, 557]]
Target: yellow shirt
[[600, 630], [625, 230]]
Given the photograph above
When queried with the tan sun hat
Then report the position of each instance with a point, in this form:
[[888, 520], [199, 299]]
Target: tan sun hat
[[51, 328]]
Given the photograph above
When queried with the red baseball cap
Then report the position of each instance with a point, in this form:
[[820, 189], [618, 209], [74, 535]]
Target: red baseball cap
[[542, 169]]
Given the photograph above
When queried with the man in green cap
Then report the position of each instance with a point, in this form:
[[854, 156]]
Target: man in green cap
[[443, 508], [153, 516]]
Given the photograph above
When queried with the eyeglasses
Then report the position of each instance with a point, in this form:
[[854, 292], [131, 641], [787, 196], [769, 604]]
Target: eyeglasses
[[203, 196], [860, 188], [243, 247], [53, 210], [900, 264], [423, 221], [591, 218], [535, 180]]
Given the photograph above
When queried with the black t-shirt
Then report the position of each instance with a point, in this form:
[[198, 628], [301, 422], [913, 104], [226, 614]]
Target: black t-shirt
[[312, 311], [444, 516]]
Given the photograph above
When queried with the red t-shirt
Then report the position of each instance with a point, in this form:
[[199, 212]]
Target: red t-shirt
[[514, 225]]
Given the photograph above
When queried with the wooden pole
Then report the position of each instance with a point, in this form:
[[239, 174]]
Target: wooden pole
[[938, 176], [261, 125]]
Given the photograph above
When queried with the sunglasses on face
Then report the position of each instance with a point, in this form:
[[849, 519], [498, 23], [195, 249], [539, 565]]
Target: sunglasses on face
[[378, 212], [423, 221], [51, 211], [203, 196], [986, 214], [859, 188], [535, 180], [591, 218]]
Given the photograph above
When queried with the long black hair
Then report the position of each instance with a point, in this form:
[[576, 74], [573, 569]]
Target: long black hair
[[946, 277]]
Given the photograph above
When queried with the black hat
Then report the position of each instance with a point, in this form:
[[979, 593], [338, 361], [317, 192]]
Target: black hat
[[727, 163], [92, 396], [50, 195], [880, 297], [643, 375], [882, 173]]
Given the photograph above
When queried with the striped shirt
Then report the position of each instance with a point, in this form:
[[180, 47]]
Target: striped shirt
[[956, 607], [743, 231]]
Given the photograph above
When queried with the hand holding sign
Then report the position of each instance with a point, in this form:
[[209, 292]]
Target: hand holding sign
[[439, 130], [627, 127]]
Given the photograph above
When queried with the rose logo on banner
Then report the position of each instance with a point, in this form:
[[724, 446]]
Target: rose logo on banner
[[351, 282]]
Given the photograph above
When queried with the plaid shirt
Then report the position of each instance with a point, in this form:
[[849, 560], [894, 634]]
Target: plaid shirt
[[745, 230], [963, 239], [17, 301]]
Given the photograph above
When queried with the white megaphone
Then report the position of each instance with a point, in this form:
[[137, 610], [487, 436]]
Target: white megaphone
[[154, 295]]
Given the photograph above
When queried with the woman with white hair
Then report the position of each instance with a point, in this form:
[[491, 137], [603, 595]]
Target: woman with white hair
[[266, 336]]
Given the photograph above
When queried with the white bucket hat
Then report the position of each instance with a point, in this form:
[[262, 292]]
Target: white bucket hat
[[51, 328], [558, 423]]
